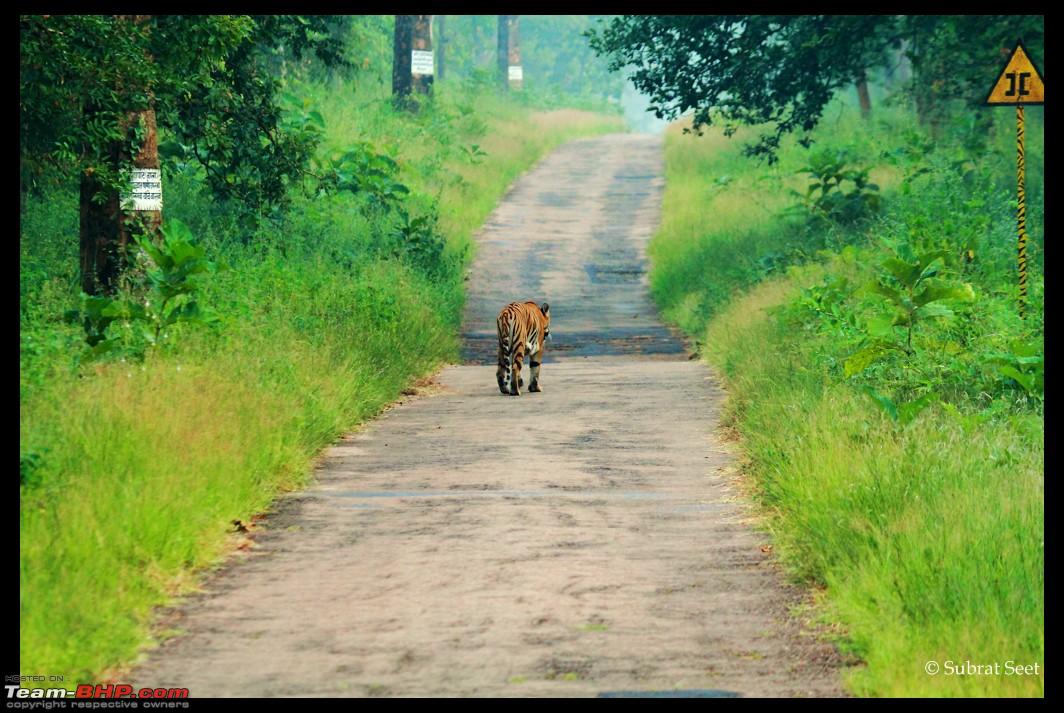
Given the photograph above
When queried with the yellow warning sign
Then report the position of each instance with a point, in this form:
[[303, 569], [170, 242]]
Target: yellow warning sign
[[1019, 83]]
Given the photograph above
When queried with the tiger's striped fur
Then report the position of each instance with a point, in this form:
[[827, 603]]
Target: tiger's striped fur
[[523, 327]]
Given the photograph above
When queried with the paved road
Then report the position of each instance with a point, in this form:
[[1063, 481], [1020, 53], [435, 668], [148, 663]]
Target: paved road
[[582, 541]]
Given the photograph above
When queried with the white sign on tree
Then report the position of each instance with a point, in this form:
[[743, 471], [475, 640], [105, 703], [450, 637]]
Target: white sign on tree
[[145, 190], [421, 62]]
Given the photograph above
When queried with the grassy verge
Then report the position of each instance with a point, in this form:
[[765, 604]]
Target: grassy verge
[[137, 467], [925, 529]]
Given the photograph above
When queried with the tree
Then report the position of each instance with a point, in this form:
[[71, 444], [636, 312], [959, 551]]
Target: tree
[[413, 33], [214, 96], [556, 55], [230, 121], [745, 69], [106, 226], [502, 52], [510, 53], [864, 99], [402, 78], [442, 46], [783, 70], [954, 59], [213, 89]]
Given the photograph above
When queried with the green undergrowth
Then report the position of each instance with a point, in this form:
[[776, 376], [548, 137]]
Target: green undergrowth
[[134, 465], [896, 446]]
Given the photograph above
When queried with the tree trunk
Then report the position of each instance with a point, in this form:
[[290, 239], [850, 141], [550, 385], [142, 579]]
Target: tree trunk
[[422, 42], [509, 54], [402, 80], [502, 52], [100, 255], [441, 47], [412, 33], [904, 72], [106, 226], [863, 97], [925, 72], [515, 73]]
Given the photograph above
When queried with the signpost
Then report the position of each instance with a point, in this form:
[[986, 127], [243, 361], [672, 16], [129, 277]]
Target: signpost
[[1019, 83]]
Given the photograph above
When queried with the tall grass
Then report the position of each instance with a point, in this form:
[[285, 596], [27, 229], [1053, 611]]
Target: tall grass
[[140, 467], [927, 538]]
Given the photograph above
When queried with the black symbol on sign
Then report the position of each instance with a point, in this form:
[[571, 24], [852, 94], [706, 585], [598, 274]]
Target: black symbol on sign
[[1024, 91]]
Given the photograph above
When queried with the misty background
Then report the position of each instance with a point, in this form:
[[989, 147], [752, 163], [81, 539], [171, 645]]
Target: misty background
[[559, 67]]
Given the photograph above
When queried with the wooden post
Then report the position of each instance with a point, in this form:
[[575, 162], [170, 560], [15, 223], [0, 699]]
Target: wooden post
[[109, 220]]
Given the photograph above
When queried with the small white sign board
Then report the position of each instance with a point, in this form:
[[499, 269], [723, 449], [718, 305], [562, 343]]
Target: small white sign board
[[516, 75], [145, 190], [421, 62]]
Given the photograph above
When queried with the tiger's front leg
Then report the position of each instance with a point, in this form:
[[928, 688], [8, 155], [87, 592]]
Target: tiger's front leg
[[533, 364]]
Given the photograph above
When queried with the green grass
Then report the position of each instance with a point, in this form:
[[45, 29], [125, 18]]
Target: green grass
[[143, 465], [927, 539]]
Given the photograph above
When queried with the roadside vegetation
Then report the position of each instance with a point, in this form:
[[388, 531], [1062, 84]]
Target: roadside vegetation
[[859, 298], [246, 339]]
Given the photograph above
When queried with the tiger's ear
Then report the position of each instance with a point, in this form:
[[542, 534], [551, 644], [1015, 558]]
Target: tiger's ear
[[544, 308]]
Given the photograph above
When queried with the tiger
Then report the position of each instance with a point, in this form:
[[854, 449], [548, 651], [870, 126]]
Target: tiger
[[523, 327]]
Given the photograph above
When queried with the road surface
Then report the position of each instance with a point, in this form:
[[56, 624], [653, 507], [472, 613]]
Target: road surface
[[583, 541]]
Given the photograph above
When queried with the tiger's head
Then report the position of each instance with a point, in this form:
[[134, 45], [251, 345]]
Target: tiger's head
[[545, 309]]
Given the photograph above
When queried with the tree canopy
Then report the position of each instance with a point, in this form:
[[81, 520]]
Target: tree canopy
[[208, 78], [782, 70]]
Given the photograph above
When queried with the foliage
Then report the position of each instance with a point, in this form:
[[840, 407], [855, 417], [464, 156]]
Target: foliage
[[782, 71], [1023, 365], [327, 311], [166, 296], [953, 57], [559, 67], [207, 77], [474, 154], [910, 491], [29, 464], [902, 413], [915, 295], [827, 199], [419, 242], [742, 69]]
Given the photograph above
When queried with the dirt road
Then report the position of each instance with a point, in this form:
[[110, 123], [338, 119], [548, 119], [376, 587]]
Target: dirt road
[[582, 541]]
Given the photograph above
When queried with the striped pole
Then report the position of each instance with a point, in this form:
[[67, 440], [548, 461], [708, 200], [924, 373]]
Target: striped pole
[[1021, 211]]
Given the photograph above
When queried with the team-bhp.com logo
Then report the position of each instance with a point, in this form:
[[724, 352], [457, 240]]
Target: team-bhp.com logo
[[88, 690]]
